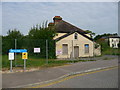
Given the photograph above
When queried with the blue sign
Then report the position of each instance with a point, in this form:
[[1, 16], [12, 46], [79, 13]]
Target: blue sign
[[17, 50]]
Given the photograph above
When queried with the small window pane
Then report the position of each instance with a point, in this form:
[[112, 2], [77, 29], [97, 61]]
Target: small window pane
[[75, 36], [112, 45]]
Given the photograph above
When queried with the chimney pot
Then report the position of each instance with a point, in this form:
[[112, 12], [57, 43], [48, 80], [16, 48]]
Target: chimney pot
[[57, 19]]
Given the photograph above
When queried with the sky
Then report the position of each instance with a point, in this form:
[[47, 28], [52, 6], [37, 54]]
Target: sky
[[0, 18], [99, 17]]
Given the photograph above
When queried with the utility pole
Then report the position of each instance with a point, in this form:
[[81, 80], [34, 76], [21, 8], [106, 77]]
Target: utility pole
[[46, 51], [72, 50], [15, 52]]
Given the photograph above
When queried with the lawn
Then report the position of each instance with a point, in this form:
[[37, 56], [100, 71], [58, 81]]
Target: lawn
[[37, 62]]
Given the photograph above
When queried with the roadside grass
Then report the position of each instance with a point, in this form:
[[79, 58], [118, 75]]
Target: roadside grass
[[107, 58], [111, 51], [37, 62]]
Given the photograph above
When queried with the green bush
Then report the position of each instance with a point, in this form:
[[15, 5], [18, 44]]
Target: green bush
[[107, 50]]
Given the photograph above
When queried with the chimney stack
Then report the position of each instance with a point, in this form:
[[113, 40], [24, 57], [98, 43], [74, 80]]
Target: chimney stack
[[51, 24], [57, 19]]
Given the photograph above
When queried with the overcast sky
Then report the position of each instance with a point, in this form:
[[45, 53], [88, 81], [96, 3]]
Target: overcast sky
[[99, 17]]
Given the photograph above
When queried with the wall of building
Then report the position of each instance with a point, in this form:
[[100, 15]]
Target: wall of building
[[80, 41], [88, 35], [97, 51], [59, 35]]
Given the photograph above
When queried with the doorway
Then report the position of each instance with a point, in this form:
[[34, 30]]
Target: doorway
[[76, 51]]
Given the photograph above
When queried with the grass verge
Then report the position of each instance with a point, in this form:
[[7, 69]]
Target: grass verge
[[37, 62]]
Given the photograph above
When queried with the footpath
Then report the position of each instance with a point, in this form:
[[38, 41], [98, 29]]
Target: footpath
[[19, 80]]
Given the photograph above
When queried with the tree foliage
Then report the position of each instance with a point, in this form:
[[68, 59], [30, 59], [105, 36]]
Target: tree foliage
[[91, 33], [36, 38], [42, 32], [118, 45], [14, 34], [103, 35], [8, 42]]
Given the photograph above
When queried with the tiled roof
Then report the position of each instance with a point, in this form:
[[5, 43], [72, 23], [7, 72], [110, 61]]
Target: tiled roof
[[65, 27], [62, 26]]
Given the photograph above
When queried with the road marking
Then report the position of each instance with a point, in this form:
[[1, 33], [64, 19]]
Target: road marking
[[70, 77]]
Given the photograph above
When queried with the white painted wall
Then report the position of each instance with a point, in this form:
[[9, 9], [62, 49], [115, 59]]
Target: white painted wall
[[113, 42], [81, 41]]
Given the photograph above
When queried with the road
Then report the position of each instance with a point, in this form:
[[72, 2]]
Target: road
[[102, 79], [19, 80]]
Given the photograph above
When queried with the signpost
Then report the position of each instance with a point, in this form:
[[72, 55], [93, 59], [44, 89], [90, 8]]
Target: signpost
[[17, 50], [11, 57], [58, 52], [24, 56], [36, 50]]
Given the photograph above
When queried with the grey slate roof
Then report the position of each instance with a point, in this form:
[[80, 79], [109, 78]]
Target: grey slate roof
[[65, 27]]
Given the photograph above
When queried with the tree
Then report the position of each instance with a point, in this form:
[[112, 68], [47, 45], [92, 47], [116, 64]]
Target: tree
[[14, 34], [91, 33], [8, 41], [119, 45], [37, 37], [104, 35], [42, 32]]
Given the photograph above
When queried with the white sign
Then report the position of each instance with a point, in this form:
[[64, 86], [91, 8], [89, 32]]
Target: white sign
[[11, 56], [36, 50], [58, 52]]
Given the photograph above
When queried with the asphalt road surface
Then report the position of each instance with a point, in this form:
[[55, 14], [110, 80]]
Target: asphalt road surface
[[23, 79], [107, 78]]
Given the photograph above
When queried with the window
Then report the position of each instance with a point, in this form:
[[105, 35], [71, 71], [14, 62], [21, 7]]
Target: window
[[112, 40], [65, 49], [75, 35], [86, 48], [113, 45]]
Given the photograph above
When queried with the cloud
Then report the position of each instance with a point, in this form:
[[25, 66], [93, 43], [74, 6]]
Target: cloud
[[98, 17]]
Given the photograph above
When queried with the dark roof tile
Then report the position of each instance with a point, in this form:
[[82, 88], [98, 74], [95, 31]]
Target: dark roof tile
[[65, 27]]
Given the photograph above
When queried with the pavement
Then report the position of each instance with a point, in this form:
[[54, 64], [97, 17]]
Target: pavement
[[19, 80]]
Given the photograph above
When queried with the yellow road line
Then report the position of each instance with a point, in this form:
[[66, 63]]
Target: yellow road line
[[70, 77]]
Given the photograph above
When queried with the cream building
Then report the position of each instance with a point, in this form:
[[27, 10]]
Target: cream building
[[114, 41], [73, 42]]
